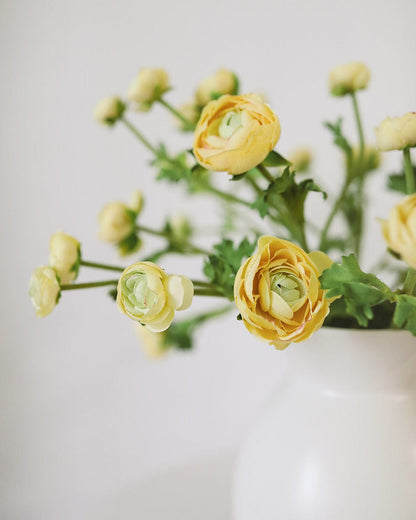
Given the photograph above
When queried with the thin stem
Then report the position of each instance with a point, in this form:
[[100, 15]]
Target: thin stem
[[253, 183], [71, 287], [358, 121], [408, 171], [201, 283], [102, 266], [200, 319], [207, 292], [409, 285], [228, 197], [140, 136], [176, 113], [333, 212], [265, 172], [152, 231]]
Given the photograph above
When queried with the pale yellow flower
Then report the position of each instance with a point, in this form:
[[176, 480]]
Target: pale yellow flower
[[396, 133], [301, 159], [222, 82], [153, 342], [191, 112], [44, 290], [136, 201], [400, 229], [235, 133], [116, 222], [278, 293], [146, 294], [64, 256], [180, 227], [348, 78], [109, 110], [148, 86]]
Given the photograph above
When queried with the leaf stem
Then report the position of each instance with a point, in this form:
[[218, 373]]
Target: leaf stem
[[227, 196], [139, 135], [101, 266], [152, 231], [359, 124], [333, 212], [89, 285], [265, 172], [408, 171], [188, 125]]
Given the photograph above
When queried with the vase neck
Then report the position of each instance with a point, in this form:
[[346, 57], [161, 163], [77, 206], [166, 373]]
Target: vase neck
[[348, 360]]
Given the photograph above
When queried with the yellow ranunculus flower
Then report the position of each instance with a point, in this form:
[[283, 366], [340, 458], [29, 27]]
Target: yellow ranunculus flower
[[109, 110], [235, 133], [278, 293], [400, 230], [153, 342], [64, 256], [115, 222], [148, 85], [145, 293], [396, 133], [44, 290], [348, 78], [222, 82]]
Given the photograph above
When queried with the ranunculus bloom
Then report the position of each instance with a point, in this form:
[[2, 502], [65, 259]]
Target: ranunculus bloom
[[148, 85], [148, 295], [400, 229], [348, 78], [44, 290], [153, 343], [116, 222], [222, 82], [278, 293], [64, 256], [109, 110], [396, 133], [235, 133]]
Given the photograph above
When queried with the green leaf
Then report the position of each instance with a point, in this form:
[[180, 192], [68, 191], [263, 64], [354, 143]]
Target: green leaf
[[405, 313], [361, 291], [261, 205], [222, 266], [129, 245], [397, 181], [275, 159], [179, 335], [339, 139]]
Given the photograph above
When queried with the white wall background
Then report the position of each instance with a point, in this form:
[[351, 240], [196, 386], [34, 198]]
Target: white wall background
[[83, 412]]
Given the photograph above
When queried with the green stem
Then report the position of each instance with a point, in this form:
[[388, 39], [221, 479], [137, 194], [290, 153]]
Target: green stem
[[89, 285], [188, 125], [333, 212], [265, 172], [358, 121], [140, 136], [201, 318], [152, 231], [227, 196], [207, 292], [408, 171], [201, 283], [102, 266], [409, 286]]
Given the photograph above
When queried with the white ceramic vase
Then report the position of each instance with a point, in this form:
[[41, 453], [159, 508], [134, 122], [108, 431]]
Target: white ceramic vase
[[337, 441]]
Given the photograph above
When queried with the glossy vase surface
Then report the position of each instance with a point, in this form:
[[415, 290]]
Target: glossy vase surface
[[337, 440]]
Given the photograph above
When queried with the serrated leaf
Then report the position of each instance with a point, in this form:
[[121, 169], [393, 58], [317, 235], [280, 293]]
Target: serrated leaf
[[275, 159], [361, 291], [405, 313], [339, 139], [261, 205]]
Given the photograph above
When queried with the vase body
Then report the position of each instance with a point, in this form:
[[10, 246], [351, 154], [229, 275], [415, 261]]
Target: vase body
[[337, 440]]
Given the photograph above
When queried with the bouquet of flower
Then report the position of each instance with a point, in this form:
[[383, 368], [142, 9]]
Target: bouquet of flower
[[283, 291]]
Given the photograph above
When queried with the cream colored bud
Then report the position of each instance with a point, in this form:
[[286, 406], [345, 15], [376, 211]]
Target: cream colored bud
[[116, 222], [396, 133], [180, 227], [400, 230], [153, 343], [109, 110], [44, 290], [301, 159], [222, 82], [191, 112], [136, 201], [64, 256], [148, 86], [348, 78]]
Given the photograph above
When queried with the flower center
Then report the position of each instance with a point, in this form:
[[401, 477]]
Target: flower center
[[288, 287], [138, 294], [230, 123]]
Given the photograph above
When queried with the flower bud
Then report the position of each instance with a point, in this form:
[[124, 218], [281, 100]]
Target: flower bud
[[301, 159], [116, 222], [109, 110], [145, 293], [346, 79], [396, 133], [191, 112], [399, 230], [148, 86], [222, 82], [153, 342], [44, 290], [64, 256], [136, 201], [180, 228]]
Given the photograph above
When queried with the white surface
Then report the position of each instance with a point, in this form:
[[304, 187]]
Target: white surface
[[83, 412], [337, 440]]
